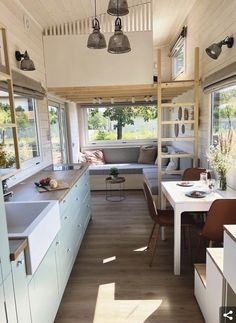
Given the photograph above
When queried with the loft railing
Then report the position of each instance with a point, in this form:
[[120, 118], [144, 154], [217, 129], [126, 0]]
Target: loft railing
[[138, 19]]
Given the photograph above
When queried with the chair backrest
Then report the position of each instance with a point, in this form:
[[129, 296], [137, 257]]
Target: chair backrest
[[151, 204], [221, 212], [193, 174]]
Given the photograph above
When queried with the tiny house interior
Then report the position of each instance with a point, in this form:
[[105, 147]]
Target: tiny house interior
[[117, 161]]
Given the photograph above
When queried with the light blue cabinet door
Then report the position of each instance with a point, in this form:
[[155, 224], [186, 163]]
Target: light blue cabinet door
[[10, 300], [43, 289], [3, 318], [4, 246], [21, 289]]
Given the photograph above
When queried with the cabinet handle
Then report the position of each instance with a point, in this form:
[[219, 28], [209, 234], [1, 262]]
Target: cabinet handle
[[57, 243], [20, 262], [69, 250]]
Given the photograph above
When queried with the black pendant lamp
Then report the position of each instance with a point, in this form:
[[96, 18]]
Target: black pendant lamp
[[119, 42], [96, 39], [118, 8]]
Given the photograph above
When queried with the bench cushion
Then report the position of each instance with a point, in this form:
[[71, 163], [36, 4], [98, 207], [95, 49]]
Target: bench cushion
[[128, 168]]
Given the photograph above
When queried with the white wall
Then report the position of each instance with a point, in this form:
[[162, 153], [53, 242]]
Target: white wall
[[70, 63], [73, 131], [12, 16], [208, 22]]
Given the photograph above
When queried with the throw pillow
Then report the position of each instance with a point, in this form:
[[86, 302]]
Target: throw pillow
[[94, 157], [147, 154], [164, 161], [173, 164]]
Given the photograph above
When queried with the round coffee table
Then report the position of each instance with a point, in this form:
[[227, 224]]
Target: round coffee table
[[115, 189]]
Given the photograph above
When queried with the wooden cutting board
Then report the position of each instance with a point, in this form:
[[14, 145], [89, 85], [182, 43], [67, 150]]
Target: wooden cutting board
[[61, 186]]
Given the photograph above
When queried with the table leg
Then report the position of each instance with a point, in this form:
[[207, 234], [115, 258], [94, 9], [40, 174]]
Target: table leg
[[177, 241], [163, 207]]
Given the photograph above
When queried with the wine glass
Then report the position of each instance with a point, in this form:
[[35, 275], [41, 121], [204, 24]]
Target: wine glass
[[212, 185]]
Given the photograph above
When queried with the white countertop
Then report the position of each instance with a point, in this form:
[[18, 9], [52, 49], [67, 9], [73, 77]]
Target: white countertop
[[231, 230]]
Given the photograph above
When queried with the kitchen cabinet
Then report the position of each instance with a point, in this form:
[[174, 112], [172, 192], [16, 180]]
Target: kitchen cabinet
[[2, 306], [9, 300], [75, 214], [44, 289], [21, 289], [4, 246]]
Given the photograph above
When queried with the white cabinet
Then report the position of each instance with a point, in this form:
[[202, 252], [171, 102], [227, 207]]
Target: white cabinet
[[200, 286], [44, 289], [21, 289], [9, 300], [3, 318], [214, 286], [230, 255]]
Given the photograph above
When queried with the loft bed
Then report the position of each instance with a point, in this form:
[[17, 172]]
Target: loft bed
[[122, 93]]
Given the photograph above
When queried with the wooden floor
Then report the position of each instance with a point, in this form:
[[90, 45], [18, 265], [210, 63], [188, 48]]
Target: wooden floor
[[111, 281]]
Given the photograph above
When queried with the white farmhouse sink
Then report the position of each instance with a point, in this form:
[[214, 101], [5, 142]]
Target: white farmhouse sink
[[38, 222]]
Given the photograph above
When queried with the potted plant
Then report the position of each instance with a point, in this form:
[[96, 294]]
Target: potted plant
[[114, 172]]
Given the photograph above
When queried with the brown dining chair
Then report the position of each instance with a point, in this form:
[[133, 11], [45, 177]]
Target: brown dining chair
[[193, 174], [162, 218], [221, 212]]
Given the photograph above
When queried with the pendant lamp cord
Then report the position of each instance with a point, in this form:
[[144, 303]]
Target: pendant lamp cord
[[95, 9]]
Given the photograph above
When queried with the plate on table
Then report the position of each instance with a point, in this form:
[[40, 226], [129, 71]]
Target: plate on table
[[196, 194], [185, 184]]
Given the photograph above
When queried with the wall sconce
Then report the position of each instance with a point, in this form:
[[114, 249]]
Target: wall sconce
[[215, 49], [26, 64], [133, 99], [112, 100]]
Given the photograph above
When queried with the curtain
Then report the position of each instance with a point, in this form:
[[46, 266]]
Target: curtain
[[24, 85], [222, 78]]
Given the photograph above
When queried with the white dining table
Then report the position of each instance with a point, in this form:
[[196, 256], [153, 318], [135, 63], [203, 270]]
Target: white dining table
[[181, 203]]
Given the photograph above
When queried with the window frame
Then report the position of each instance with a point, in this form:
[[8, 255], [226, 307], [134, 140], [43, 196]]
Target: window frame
[[212, 94], [35, 160], [181, 43], [60, 106], [111, 143]]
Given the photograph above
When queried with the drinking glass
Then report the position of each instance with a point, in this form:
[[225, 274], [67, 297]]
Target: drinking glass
[[203, 178]]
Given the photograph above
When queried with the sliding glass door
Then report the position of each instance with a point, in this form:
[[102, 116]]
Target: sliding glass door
[[58, 130]]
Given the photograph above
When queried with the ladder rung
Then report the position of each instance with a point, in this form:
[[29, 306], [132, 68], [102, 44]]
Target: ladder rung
[[178, 139], [178, 122], [4, 76], [177, 84], [180, 155]]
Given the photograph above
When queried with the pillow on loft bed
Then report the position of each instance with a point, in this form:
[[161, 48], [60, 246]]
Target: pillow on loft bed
[[147, 154]]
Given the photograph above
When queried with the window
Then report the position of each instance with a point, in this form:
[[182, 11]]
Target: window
[[178, 58], [223, 112], [121, 123], [27, 131], [57, 119]]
